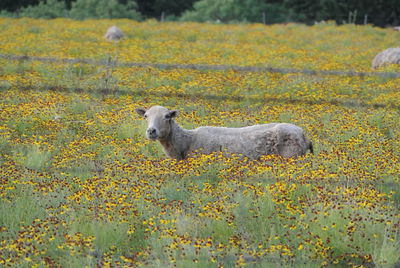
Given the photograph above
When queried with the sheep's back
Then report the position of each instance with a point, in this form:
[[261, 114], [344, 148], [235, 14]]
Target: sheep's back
[[233, 131], [251, 141]]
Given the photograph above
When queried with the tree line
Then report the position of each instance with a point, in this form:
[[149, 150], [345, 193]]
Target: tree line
[[377, 12]]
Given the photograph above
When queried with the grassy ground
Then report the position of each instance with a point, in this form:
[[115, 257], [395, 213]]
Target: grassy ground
[[79, 184]]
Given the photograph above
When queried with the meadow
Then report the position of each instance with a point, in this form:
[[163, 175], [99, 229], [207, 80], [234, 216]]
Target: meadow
[[81, 186]]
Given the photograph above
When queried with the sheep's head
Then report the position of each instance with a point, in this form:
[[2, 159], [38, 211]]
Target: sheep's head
[[158, 121]]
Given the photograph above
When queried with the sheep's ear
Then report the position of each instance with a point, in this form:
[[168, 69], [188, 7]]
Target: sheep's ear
[[140, 111], [172, 114]]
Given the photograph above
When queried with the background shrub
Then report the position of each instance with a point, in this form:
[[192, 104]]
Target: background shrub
[[48, 9], [226, 10], [103, 9]]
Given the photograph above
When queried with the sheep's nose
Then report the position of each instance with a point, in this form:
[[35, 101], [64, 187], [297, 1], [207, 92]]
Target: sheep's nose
[[151, 131]]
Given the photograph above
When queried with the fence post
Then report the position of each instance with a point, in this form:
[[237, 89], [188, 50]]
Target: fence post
[[264, 18], [365, 19], [162, 16], [354, 16]]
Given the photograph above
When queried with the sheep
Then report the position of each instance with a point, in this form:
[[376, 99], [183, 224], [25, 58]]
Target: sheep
[[283, 139], [114, 34], [390, 55]]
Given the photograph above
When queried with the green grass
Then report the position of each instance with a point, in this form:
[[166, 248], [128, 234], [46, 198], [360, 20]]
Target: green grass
[[21, 212], [33, 157]]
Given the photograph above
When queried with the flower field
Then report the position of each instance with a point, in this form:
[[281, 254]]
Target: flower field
[[81, 186]]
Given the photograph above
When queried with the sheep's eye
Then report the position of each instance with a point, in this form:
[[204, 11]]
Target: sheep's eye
[[145, 116]]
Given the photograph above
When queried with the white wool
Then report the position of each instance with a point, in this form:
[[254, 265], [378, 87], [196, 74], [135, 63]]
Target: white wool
[[114, 34], [283, 139], [388, 56]]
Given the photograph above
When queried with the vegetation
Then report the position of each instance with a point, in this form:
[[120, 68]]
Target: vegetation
[[377, 12], [103, 9], [226, 10], [47, 10], [80, 185]]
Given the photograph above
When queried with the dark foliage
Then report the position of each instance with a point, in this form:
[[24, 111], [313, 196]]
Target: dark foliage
[[378, 12], [154, 8]]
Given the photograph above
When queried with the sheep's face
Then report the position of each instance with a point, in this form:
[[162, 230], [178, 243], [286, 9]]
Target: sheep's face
[[158, 121]]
